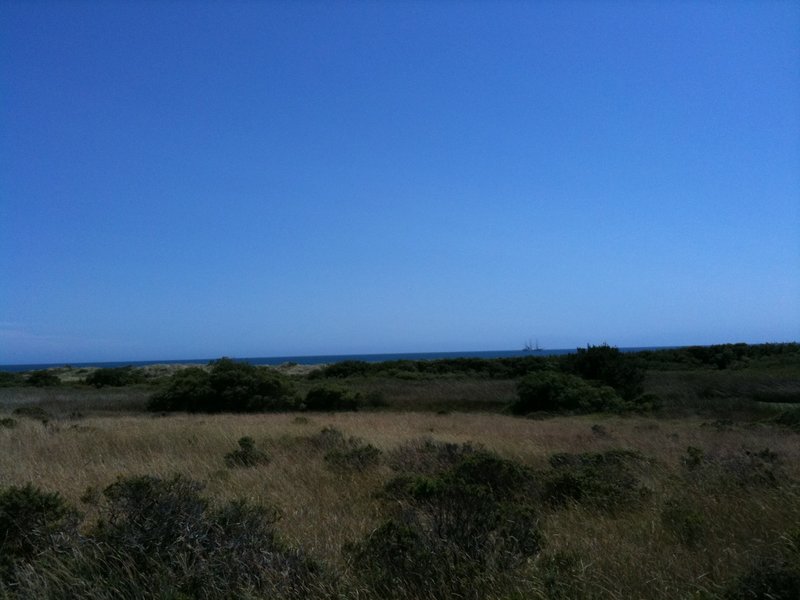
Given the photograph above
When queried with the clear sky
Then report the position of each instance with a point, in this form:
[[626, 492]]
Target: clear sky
[[198, 179]]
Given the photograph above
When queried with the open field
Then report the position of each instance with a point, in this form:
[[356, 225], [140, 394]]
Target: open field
[[699, 498]]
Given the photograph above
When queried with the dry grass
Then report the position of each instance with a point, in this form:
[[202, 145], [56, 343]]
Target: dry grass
[[623, 557]]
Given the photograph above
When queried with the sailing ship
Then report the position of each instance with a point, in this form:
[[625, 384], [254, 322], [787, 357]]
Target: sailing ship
[[532, 347]]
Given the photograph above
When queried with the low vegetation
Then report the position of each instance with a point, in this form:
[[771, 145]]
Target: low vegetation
[[671, 474]]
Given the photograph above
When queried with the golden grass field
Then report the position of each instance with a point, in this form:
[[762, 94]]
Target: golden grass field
[[631, 555]]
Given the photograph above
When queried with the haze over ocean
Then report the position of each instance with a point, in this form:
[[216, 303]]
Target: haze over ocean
[[201, 179]]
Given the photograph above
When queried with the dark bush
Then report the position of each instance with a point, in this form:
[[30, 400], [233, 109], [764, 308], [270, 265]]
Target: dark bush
[[31, 521], [43, 378], [608, 366], [604, 481], [227, 386], [246, 455], [165, 531], [357, 458], [33, 412], [327, 398], [453, 533], [551, 391], [329, 438], [8, 422], [9, 379], [114, 377]]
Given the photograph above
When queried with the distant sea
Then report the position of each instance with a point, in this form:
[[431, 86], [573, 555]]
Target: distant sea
[[321, 359]]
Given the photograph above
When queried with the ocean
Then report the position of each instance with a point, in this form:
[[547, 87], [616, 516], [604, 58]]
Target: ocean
[[320, 359]]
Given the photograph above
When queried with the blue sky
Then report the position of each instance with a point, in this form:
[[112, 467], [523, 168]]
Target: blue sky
[[188, 180]]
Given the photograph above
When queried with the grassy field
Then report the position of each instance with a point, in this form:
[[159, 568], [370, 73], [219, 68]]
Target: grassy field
[[705, 501]]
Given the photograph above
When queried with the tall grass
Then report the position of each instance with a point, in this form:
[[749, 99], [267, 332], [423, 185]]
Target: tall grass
[[594, 554]]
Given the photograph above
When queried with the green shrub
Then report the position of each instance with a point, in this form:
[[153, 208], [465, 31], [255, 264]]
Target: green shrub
[[327, 398], [453, 533], [246, 455], [43, 378], [31, 521], [550, 391], [608, 366], [33, 412], [357, 458], [9, 379], [227, 386], [8, 422], [605, 481], [161, 538], [114, 377]]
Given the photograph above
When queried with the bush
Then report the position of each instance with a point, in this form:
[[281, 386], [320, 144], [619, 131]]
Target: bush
[[43, 378], [160, 538], [9, 379], [31, 521], [453, 533], [358, 458], [327, 398], [8, 422], [604, 481], [550, 391], [33, 412], [608, 366], [227, 386], [114, 377], [246, 455]]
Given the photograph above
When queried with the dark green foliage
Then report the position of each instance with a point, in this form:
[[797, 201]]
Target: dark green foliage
[[159, 538], [605, 481], [608, 366], [8, 422], [488, 368], [720, 356], [114, 377], [9, 379], [228, 386], [328, 398], [33, 412], [357, 458], [31, 521], [343, 453], [42, 378], [551, 391], [246, 455], [452, 533]]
